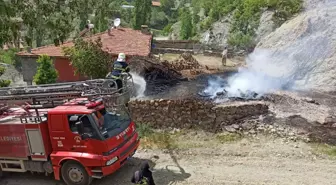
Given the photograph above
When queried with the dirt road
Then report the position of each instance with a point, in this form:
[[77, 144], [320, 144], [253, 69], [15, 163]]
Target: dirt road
[[201, 161]]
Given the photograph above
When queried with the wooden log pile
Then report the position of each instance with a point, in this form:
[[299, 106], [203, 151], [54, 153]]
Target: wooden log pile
[[153, 69], [185, 62]]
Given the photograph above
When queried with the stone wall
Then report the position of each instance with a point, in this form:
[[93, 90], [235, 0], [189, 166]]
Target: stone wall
[[193, 114], [29, 67]]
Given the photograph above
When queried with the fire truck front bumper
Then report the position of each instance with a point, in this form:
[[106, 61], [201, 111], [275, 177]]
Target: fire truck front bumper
[[127, 152]]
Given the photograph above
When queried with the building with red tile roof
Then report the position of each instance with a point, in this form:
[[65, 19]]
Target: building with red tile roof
[[119, 40], [156, 3]]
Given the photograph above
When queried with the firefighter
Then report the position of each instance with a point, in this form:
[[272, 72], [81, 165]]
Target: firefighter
[[143, 176], [119, 66]]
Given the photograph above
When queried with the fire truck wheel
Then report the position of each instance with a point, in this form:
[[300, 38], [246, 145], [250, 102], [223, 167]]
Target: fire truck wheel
[[74, 173]]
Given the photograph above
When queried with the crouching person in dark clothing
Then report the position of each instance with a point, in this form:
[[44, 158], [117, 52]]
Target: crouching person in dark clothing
[[143, 176]]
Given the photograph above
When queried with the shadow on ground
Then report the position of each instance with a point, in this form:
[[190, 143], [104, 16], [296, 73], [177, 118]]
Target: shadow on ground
[[121, 177]]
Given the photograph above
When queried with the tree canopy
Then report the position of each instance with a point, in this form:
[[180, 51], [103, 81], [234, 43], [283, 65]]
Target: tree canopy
[[186, 31], [142, 13], [89, 59]]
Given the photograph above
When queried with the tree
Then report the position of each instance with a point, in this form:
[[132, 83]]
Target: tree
[[9, 22], [167, 5], [186, 24], [46, 73], [159, 19], [88, 58], [142, 13]]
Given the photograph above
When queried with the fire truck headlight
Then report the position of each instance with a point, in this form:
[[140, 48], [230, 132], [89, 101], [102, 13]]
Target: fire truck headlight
[[111, 161]]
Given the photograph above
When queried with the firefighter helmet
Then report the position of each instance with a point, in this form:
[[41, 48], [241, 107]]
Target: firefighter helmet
[[121, 57]]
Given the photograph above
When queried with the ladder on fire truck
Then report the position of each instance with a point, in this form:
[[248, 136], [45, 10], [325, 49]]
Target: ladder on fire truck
[[51, 95]]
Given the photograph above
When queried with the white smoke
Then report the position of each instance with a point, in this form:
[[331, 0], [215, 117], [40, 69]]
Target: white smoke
[[261, 75], [140, 85]]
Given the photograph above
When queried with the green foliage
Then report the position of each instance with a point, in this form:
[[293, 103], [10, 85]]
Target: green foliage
[[152, 138], [8, 56], [46, 73], [228, 138], [142, 13], [167, 5], [325, 149], [3, 83], [88, 58], [241, 41], [158, 19], [186, 31], [167, 29], [144, 130], [206, 23], [246, 16], [55, 21], [285, 9]]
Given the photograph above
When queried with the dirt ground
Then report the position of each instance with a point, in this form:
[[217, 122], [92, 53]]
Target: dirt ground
[[198, 158]]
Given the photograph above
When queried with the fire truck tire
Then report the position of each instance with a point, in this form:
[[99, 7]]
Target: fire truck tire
[[74, 173]]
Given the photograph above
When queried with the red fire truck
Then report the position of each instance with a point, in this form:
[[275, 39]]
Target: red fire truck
[[77, 131]]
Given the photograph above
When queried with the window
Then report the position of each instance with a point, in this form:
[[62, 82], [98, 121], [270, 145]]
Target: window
[[111, 124], [87, 124], [72, 124]]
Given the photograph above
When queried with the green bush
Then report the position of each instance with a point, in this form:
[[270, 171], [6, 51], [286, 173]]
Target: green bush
[[144, 130], [46, 73], [3, 83], [158, 19], [186, 31], [8, 56], [241, 41], [167, 29], [206, 23], [246, 16]]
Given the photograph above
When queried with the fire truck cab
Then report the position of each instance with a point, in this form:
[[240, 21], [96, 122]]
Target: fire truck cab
[[77, 141]]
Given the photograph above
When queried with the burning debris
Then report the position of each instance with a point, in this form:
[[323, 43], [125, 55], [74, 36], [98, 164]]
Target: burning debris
[[226, 95]]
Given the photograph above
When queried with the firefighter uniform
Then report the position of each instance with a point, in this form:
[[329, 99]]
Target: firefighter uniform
[[120, 66]]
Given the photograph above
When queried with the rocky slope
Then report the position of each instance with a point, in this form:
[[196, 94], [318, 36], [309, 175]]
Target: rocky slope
[[304, 47]]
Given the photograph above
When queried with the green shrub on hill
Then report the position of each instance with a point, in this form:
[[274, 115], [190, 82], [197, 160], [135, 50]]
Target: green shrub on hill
[[246, 16]]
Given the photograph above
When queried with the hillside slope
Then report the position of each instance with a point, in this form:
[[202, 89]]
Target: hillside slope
[[303, 49]]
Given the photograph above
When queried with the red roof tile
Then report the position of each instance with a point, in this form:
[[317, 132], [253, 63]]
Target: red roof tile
[[156, 3], [121, 40]]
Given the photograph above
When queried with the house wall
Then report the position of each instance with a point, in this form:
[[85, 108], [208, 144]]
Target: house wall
[[62, 65], [66, 71]]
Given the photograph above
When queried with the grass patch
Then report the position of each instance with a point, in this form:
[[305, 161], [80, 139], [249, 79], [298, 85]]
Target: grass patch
[[228, 138], [325, 149], [144, 130], [152, 139]]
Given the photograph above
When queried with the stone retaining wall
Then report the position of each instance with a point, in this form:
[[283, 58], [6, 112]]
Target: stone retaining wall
[[193, 113]]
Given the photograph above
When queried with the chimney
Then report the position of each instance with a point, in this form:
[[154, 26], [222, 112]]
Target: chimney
[[145, 29]]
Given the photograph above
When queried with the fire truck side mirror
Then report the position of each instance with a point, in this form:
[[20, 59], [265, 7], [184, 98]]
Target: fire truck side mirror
[[80, 127]]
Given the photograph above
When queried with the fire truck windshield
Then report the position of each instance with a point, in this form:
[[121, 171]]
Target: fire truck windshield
[[111, 124]]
